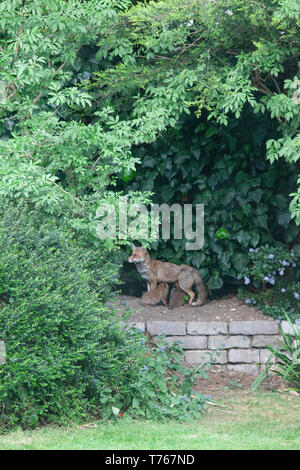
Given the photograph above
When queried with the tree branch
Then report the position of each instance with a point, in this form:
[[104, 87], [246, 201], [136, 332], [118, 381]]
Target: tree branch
[[275, 82]]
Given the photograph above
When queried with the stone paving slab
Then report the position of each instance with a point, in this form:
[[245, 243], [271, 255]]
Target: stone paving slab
[[198, 356], [189, 342], [206, 328], [228, 342], [255, 327], [260, 341], [176, 328]]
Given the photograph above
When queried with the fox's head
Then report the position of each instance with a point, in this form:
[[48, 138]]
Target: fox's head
[[164, 287], [138, 254]]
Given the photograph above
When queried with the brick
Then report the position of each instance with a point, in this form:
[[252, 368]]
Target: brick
[[206, 328], [189, 342], [196, 357], [243, 355], [238, 341], [250, 369], [176, 328], [255, 327], [2, 352], [261, 341]]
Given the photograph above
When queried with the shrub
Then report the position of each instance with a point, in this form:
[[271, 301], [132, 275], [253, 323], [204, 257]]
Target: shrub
[[159, 386], [271, 281], [53, 321]]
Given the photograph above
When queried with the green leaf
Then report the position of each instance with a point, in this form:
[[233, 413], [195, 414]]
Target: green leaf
[[255, 195], [240, 261], [128, 175], [243, 237], [255, 237], [215, 281], [181, 157], [247, 209], [280, 201], [222, 233], [296, 249], [148, 161], [283, 218], [212, 130], [261, 221]]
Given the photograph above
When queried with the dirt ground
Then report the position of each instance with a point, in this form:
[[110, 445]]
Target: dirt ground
[[226, 309], [223, 381]]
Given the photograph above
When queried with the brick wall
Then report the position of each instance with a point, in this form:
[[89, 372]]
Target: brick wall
[[243, 343]]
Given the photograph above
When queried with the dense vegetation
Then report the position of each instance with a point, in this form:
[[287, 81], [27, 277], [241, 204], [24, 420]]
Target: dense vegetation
[[164, 101]]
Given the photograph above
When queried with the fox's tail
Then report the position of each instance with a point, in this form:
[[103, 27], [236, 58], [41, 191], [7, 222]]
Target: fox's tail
[[201, 291], [199, 286]]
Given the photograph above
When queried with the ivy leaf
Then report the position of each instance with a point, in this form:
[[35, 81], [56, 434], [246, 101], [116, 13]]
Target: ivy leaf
[[240, 261], [255, 237], [280, 201], [215, 282], [148, 161], [181, 157], [255, 195], [261, 221], [283, 218], [243, 237]]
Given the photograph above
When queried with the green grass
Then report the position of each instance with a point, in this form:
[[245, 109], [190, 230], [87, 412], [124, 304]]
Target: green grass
[[245, 421]]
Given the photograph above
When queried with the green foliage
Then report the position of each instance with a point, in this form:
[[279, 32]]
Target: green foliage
[[244, 197], [59, 148], [287, 357], [273, 280], [3, 285], [218, 57], [53, 320], [159, 386], [70, 119]]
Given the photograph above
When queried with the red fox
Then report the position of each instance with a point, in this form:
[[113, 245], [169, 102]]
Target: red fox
[[157, 295], [154, 271]]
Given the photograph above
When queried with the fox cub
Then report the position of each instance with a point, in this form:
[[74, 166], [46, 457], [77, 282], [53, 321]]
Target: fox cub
[[154, 271], [177, 297], [160, 294], [157, 295]]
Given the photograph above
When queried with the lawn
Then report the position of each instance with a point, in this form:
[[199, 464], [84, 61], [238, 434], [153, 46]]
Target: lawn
[[245, 421]]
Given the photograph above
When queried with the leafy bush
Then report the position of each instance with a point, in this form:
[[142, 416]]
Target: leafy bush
[[287, 357], [53, 321], [273, 280], [159, 386]]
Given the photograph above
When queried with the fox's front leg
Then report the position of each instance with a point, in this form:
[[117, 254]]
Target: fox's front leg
[[152, 283]]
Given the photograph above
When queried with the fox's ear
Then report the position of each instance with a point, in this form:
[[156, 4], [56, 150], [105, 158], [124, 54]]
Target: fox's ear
[[132, 246]]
